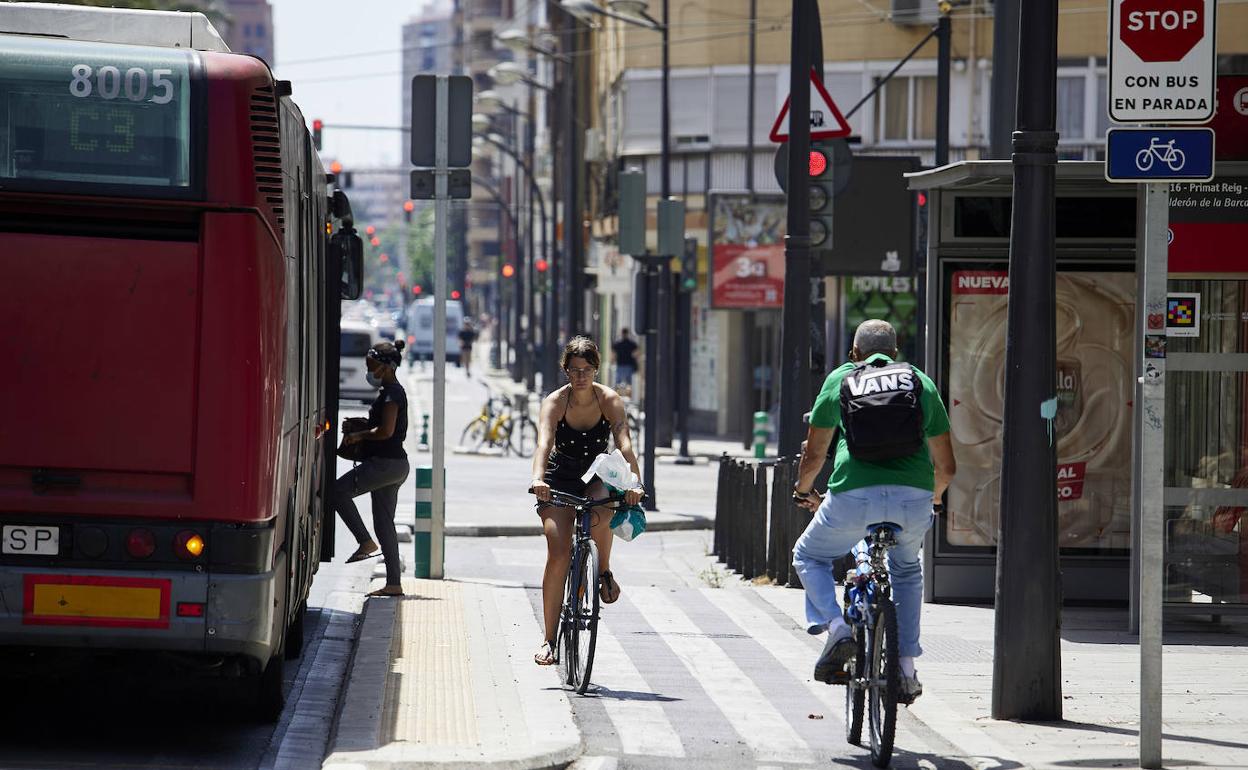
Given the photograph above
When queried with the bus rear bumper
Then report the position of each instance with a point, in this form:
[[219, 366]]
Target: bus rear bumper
[[172, 611]]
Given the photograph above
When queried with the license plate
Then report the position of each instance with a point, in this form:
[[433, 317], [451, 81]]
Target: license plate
[[90, 600], [27, 540]]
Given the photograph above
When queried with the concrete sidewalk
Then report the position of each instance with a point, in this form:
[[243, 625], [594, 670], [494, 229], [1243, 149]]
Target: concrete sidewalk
[[1205, 695], [439, 680]]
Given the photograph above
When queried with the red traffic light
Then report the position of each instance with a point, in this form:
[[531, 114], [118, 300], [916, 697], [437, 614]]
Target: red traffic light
[[417, 289], [818, 163], [508, 271], [383, 258], [454, 293], [375, 241], [922, 199], [318, 124], [541, 265], [408, 206], [335, 167], [370, 231]]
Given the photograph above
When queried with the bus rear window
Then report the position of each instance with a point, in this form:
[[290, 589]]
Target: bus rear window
[[115, 118], [354, 344]]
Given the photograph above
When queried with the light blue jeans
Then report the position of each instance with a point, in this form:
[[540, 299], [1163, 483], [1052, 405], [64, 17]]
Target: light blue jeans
[[840, 522]]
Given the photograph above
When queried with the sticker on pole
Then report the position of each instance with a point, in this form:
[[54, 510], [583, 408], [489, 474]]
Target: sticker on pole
[[1162, 66], [826, 120]]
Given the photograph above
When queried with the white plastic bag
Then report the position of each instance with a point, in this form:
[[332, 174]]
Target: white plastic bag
[[613, 470]]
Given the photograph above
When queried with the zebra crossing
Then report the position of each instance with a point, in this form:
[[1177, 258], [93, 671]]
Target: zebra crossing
[[711, 677]]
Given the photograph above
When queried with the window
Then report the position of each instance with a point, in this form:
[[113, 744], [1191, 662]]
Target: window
[[1070, 108], [906, 110], [246, 30], [1102, 98], [259, 30]]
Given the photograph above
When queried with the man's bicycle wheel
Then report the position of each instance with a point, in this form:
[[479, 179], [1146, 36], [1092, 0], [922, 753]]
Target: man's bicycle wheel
[[855, 695], [523, 436], [884, 673]]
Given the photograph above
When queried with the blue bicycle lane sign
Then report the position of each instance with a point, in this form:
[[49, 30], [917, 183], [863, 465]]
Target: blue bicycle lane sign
[[1159, 154]]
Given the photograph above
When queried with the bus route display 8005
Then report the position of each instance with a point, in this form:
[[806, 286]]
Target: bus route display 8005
[[74, 113]]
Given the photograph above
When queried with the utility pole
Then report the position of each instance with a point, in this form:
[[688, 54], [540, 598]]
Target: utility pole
[[1026, 670], [664, 400], [795, 327], [1004, 88]]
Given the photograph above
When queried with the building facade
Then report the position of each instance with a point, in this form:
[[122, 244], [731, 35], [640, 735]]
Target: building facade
[[250, 28]]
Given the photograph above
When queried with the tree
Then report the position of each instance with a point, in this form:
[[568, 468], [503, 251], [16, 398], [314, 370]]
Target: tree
[[420, 248]]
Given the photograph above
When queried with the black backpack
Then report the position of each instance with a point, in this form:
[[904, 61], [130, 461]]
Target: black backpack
[[880, 410]]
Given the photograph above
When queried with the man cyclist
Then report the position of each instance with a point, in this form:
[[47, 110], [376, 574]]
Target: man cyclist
[[893, 462]]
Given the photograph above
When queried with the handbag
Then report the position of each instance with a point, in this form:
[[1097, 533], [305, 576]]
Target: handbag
[[353, 452]]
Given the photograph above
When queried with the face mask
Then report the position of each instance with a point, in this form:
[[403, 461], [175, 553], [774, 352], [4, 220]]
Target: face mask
[[373, 380]]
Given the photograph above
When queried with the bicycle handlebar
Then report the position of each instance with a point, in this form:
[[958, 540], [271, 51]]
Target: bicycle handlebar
[[572, 501]]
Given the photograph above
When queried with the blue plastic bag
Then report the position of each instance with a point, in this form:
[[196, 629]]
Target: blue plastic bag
[[627, 523]]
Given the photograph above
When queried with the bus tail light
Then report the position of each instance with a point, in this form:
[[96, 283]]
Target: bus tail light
[[140, 543], [190, 609], [188, 545]]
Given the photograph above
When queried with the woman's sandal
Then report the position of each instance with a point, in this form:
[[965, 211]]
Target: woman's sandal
[[385, 591], [362, 553], [610, 590], [546, 655]]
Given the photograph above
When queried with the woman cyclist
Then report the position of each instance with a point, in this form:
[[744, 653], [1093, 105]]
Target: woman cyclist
[[573, 428], [384, 467]]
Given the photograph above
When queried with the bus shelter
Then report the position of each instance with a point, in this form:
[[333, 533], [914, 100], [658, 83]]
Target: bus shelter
[[1098, 365]]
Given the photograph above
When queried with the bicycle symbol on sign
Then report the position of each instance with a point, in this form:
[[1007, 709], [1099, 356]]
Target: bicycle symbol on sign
[[1167, 153]]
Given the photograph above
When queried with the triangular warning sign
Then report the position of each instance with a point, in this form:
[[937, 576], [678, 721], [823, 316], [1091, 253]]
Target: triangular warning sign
[[826, 121]]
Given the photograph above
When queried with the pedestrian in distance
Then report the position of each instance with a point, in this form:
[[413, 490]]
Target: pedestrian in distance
[[467, 336], [893, 461], [624, 353], [384, 467], [575, 422]]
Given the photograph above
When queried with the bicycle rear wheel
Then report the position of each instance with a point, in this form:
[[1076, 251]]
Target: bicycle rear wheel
[[588, 638], [884, 673], [855, 697], [523, 437]]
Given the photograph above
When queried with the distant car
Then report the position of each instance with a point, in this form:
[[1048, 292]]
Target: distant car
[[357, 338], [420, 329]]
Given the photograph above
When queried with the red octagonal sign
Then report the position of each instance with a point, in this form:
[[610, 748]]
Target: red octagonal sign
[[1161, 30]]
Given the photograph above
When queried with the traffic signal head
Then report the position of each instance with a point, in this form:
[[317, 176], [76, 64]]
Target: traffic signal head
[[417, 289], [317, 125], [370, 231], [335, 167], [375, 241], [689, 265], [821, 192], [541, 265], [454, 293], [408, 206], [508, 270]]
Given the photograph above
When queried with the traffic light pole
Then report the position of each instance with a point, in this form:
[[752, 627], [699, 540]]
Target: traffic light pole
[[1026, 671], [794, 330]]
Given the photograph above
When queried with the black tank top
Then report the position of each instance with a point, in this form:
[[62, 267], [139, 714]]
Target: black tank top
[[575, 450]]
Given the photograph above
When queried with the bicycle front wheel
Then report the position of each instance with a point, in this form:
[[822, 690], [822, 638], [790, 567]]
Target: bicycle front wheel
[[884, 674], [855, 697], [524, 437], [474, 434], [588, 639]]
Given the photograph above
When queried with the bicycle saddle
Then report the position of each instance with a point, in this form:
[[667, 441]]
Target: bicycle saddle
[[893, 529]]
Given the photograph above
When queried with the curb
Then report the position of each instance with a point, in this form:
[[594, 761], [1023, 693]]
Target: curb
[[525, 530]]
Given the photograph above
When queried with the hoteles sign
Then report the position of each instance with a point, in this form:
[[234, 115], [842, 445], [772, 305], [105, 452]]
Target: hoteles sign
[[1162, 64]]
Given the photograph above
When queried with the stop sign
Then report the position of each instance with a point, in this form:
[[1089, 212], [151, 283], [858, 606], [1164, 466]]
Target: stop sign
[[1161, 30]]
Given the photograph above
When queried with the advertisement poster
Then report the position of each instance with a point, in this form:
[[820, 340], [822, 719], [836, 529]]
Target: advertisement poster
[[747, 252], [887, 299], [1095, 350]]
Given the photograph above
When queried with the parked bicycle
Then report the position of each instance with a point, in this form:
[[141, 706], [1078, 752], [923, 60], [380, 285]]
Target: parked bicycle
[[875, 673], [500, 426], [578, 618]]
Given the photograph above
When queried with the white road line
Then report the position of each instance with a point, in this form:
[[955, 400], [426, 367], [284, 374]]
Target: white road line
[[642, 726], [797, 658], [745, 707]]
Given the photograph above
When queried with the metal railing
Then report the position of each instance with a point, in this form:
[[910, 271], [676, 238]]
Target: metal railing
[[754, 534]]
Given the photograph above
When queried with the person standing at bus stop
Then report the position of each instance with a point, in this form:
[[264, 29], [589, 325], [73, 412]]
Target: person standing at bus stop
[[383, 469]]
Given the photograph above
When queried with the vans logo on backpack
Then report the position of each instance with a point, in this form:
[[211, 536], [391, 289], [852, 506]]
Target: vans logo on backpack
[[877, 382]]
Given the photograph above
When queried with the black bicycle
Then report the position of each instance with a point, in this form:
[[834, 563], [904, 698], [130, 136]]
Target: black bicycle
[[578, 618], [875, 676]]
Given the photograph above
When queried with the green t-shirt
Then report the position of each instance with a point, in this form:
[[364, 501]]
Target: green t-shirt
[[912, 471]]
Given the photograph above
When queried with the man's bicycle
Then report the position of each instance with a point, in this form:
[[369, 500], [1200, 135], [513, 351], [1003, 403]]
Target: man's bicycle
[[578, 618], [875, 674]]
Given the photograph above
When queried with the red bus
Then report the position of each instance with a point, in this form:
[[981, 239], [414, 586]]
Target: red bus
[[173, 264]]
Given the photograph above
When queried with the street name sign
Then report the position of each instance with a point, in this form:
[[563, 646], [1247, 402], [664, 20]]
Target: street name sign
[[1159, 155], [826, 120], [1162, 63]]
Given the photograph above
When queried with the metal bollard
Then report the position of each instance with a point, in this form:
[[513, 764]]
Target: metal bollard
[[758, 522], [798, 519], [721, 508], [780, 554], [760, 434], [423, 445]]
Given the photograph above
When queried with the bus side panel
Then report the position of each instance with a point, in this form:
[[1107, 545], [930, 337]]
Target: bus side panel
[[242, 370]]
